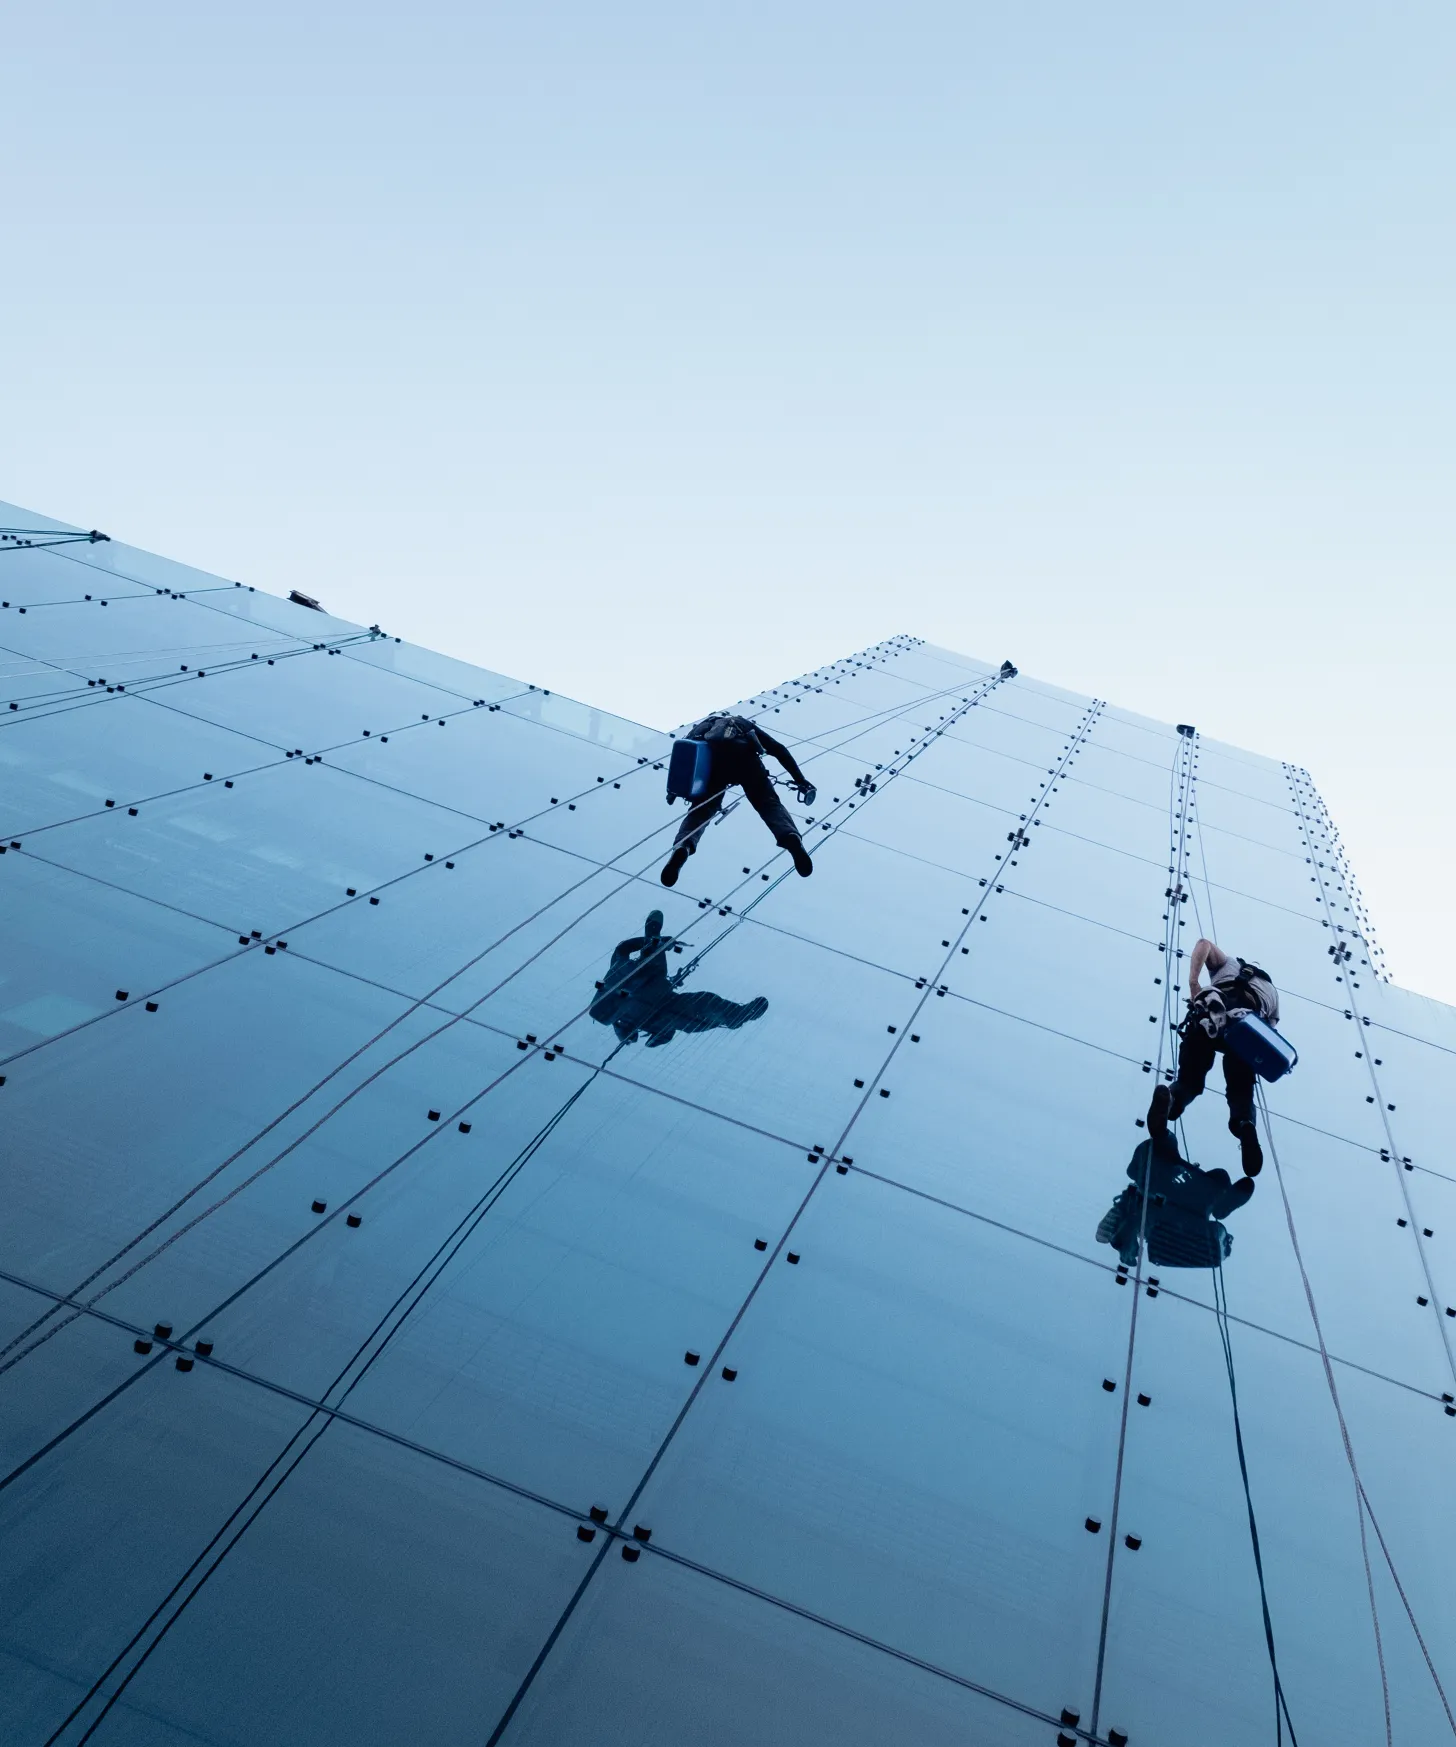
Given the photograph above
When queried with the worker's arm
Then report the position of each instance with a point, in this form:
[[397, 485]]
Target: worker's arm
[[777, 749], [1204, 953], [625, 948]]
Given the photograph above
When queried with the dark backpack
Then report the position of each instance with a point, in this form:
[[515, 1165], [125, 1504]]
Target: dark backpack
[[689, 770]]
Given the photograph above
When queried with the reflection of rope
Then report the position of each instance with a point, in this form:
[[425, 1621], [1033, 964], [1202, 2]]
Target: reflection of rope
[[1362, 1497], [414, 1292], [1221, 1315]]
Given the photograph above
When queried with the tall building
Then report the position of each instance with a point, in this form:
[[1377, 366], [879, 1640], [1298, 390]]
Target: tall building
[[415, 1334]]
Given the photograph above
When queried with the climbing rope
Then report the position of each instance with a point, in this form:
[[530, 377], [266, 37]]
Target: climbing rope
[[1362, 1496], [1221, 1316]]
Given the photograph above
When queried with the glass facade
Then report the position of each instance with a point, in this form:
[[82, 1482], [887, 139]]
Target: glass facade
[[414, 1333]]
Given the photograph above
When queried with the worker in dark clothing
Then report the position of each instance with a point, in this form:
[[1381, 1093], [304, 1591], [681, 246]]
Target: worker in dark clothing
[[637, 996], [1176, 1206], [1235, 987], [738, 745]]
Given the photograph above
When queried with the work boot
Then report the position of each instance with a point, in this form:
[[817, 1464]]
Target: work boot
[[802, 863], [1158, 1112], [1250, 1151], [673, 866]]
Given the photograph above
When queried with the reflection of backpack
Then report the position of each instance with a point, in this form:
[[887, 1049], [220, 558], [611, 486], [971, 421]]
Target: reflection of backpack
[[1178, 1239], [615, 990]]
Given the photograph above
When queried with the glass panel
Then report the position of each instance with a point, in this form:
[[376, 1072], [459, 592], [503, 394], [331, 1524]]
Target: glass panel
[[1244, 773], [282, 845], [1100, 816], [321, 702], [68, 764], [1048, 1162], [551, 1350], [495, 768], [1117, 887], [444, 672], [659, 1651], [257, 1033], [137, 637], [914, 1461], [81, 952], [1102, 769], [928, 662], [1191, 1581], [44, 576], [1135, 737], [997, 730], [291, 1638]]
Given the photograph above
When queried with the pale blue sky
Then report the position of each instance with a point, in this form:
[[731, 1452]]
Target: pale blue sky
[[657, 352]]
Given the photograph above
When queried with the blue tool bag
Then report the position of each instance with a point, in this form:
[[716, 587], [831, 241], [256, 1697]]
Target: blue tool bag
[[689, 769], [1256, 1042]]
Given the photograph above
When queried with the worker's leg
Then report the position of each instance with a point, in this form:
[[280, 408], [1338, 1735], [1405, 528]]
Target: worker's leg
[[747, 768], [1194, 1060], [700, 815], [1238, 1079], [763, 796]]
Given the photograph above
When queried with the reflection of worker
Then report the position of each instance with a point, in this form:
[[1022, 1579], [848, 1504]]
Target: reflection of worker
[[637, 996], [1235, 987], [1184, 1204], [738, 746]]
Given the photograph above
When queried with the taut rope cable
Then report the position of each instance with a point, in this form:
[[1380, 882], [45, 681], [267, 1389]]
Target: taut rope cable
[[1362, 1497], [1221, 1316], [1361, 1502], [1178, 831]]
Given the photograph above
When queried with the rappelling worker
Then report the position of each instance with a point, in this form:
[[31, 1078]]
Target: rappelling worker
[[737, 745], [638, 998], [1236, 988]]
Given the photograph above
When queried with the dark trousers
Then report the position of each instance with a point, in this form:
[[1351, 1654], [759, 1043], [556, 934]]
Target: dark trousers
[[1194, 1061], [735, 762]]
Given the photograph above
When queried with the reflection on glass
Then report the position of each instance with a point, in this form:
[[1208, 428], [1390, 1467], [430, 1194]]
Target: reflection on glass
[[638, 998], [1175, 1207]]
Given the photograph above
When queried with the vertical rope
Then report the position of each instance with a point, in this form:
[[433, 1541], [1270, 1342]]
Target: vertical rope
[[1178, 776]]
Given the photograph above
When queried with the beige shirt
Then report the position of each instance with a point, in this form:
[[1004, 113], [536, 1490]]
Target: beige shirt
[[1228, 973]]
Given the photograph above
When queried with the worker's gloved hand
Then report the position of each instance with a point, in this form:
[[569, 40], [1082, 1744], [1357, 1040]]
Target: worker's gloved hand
[[807, 793]]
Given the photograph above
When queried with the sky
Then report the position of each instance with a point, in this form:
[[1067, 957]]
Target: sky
[[655, 353]]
